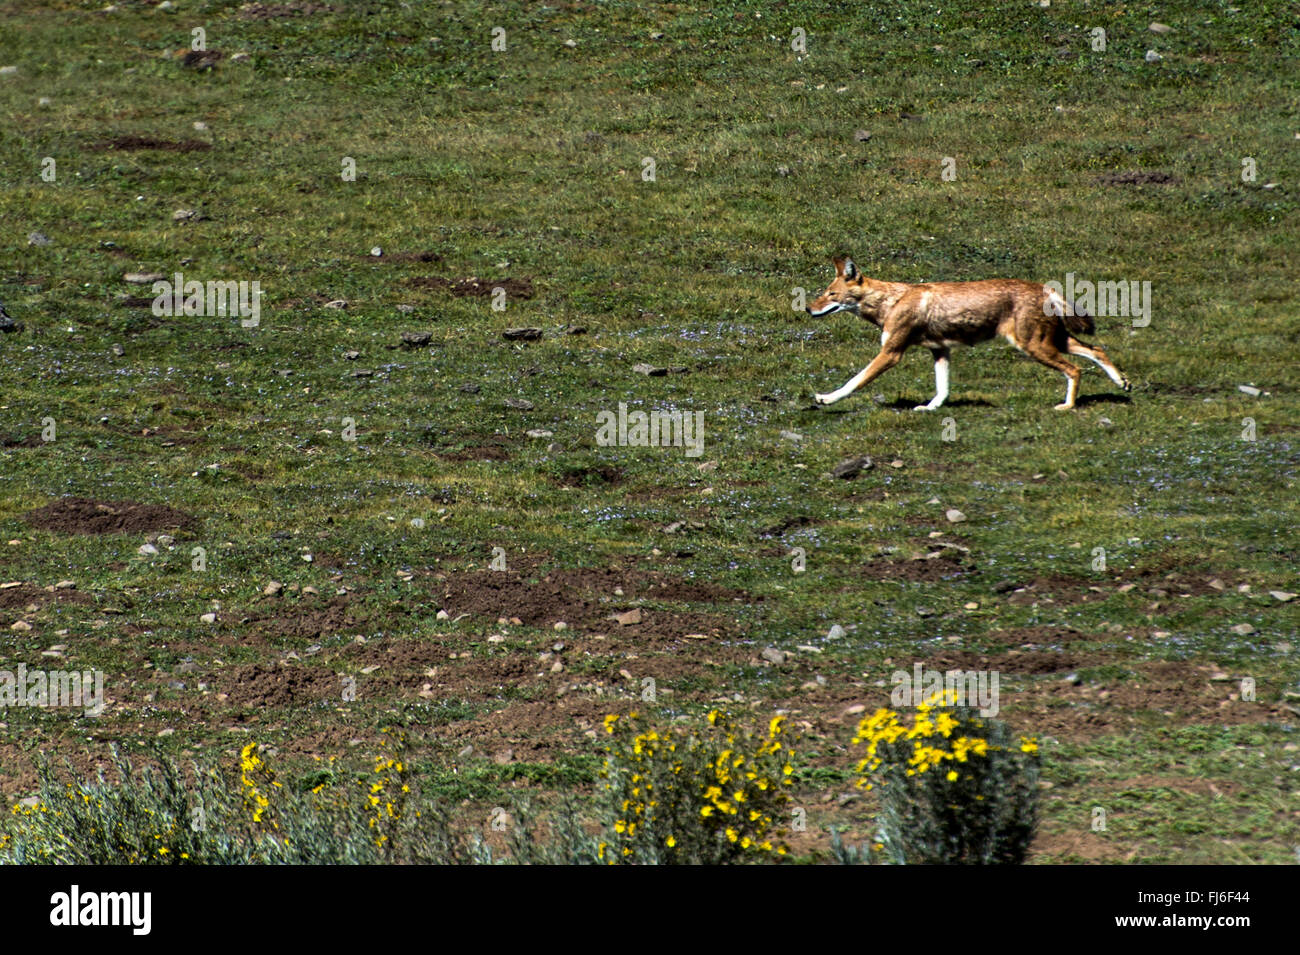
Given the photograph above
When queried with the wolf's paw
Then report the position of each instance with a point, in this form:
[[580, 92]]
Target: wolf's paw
[[1125, 385], [1064, 406], [922, 408], [824, 399]]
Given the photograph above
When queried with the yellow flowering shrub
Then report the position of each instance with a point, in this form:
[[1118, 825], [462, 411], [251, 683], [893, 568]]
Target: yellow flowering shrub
[[953, 787], [708, 795]]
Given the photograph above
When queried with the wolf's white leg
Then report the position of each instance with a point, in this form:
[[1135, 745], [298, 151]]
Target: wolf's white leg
[[887, 359], [1071, 390], [940, 382], [850, 386]]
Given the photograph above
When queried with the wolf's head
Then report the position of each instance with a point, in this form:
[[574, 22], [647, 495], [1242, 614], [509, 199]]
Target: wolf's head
[[843, 294]]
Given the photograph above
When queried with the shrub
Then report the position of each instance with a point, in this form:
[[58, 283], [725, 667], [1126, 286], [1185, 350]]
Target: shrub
[[165, 815], [954, 787], [691, 797]]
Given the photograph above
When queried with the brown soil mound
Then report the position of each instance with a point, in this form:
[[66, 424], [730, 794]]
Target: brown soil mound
[[585, 597], [306, 621], [22, 596], [81, 515], [259, 685]]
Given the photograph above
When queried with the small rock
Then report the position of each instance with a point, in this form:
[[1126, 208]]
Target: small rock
[[1249, 390], [1243, 629], [644, 369], [850, 468], [147, 550], [466, 753], [443, 615], [337, 303], [628, 619], [972, 606], [861, 135], [416, 339], [519, 404], [22, 626], [522, 334], [1280, 595], [208, 618], [539, 433], [835, 632], [142, 278], [924, 612], [1153, 57], [560, 625], [184, 215], [117, 350], [954, 516], [791, 436], [72, 585], [772, 655], [496, 638], [38, 238], [1159, 28], [470, 389], [273, 588]]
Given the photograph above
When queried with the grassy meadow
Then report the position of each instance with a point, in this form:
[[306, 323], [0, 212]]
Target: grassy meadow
[[653, 184]]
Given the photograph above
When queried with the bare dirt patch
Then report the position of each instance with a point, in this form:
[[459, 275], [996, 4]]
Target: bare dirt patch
[[481, 452], [945, 567], [587, 598], [1027, 662], [82, 515], [474, 287], [1056, 588], [24, 595], [266, 685], [1165, 692], [597, 476], [306, 619]]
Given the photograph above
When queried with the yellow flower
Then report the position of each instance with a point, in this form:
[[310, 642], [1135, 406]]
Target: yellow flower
[[952, 775], [670, 842]]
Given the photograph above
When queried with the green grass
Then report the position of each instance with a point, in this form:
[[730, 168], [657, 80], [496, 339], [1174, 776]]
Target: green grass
[[528, 163]]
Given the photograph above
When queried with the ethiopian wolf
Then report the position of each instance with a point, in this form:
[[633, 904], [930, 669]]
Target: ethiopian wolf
[[937, 315]]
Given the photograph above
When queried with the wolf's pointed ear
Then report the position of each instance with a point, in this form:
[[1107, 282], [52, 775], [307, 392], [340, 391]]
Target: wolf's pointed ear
[[839, 265], [850, 270]]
